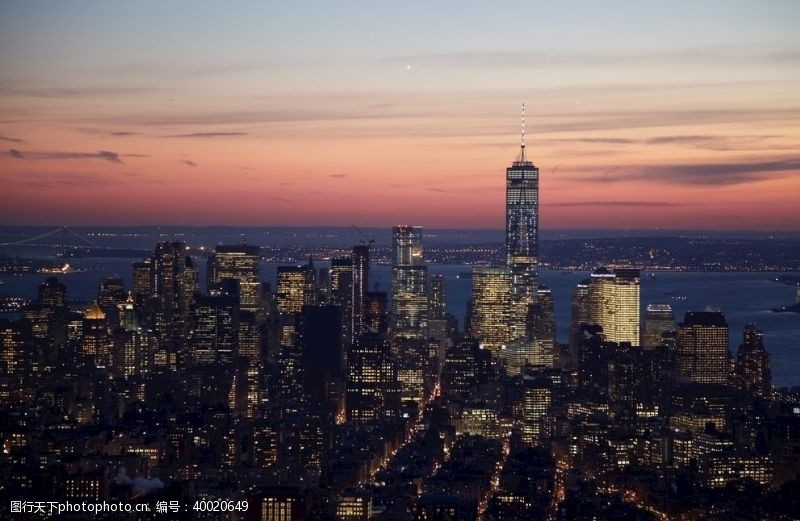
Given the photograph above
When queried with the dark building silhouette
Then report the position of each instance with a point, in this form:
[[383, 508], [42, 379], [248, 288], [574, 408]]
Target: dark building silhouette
[[753, 371], [319, 337]]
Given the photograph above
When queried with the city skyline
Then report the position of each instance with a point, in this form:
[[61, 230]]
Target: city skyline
[[537, 339], [638, 117]]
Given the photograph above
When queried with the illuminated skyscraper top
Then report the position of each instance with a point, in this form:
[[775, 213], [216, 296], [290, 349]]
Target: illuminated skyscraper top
[[522, 229]]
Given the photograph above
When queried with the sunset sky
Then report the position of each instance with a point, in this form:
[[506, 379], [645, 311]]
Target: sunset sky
[[640, 114]]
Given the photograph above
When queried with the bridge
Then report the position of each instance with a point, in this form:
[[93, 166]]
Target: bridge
[[62, 235], [66, 241]]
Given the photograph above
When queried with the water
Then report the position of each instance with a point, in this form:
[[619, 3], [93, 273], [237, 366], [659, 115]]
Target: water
[[743, 297]]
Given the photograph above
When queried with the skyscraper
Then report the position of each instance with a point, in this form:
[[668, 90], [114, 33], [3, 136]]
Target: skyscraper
[[111, 295], [407, 246], [376, 305], [536, 403], [96, 340], [142, 279], [14, 353], [491, 306], [522, 234], [174, 285], [541, 317], [238, 262], [372, 389], [613, 299], [658, 319], [53, 294], [341, 277], [701, 347], [437, 297], [753, 371], [358, 289], [460, 370], [409, 283], [341, 292], [319, 331], [579, 313], [130, 354], [294, 289], [215, 326]]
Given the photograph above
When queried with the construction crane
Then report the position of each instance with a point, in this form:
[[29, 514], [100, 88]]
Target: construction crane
[[366, 241]]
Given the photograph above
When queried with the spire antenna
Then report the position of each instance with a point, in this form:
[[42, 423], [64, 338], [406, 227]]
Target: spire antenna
[[522, 147]]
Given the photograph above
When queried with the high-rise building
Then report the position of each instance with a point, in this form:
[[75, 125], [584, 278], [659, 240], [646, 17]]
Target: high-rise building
[[372, 388], [341, 278], [460, 369], [753, 372], [541, 317], [96, 339], [407, 246], [142, 287], [614, 300], [14, 351], [409, 283], [411, 356], [294, 289], [376, 306], [622, 378], [437, 297], [53, 294], [214, 334], [319, 338], [536, 403], [250, 337], [438, 322], [130, 354], [658, 319], [358, 289], [241, 263], [701, 347], [491, 306], [409, 301], [111, 294], [247, 388], [579, 313], [592, 358], [522, 234], [324, 285], [516, 354], [174, 284]]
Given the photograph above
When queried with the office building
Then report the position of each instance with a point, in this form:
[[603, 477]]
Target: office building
[[658, 319], [753, 372], [294, 289], [437, 297], [359, 287], [215, 327], [409, 283], [701, 348], [372, 390], [491, 306], [96, 339], [614, 300], [240, 263], [522, 235]]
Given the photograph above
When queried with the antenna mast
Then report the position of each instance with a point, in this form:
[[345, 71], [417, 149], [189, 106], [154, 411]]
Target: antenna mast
[[522, 147]]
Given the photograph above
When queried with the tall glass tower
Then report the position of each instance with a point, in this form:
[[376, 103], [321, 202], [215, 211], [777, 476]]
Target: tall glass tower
[[522, 234], [409, 283]]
